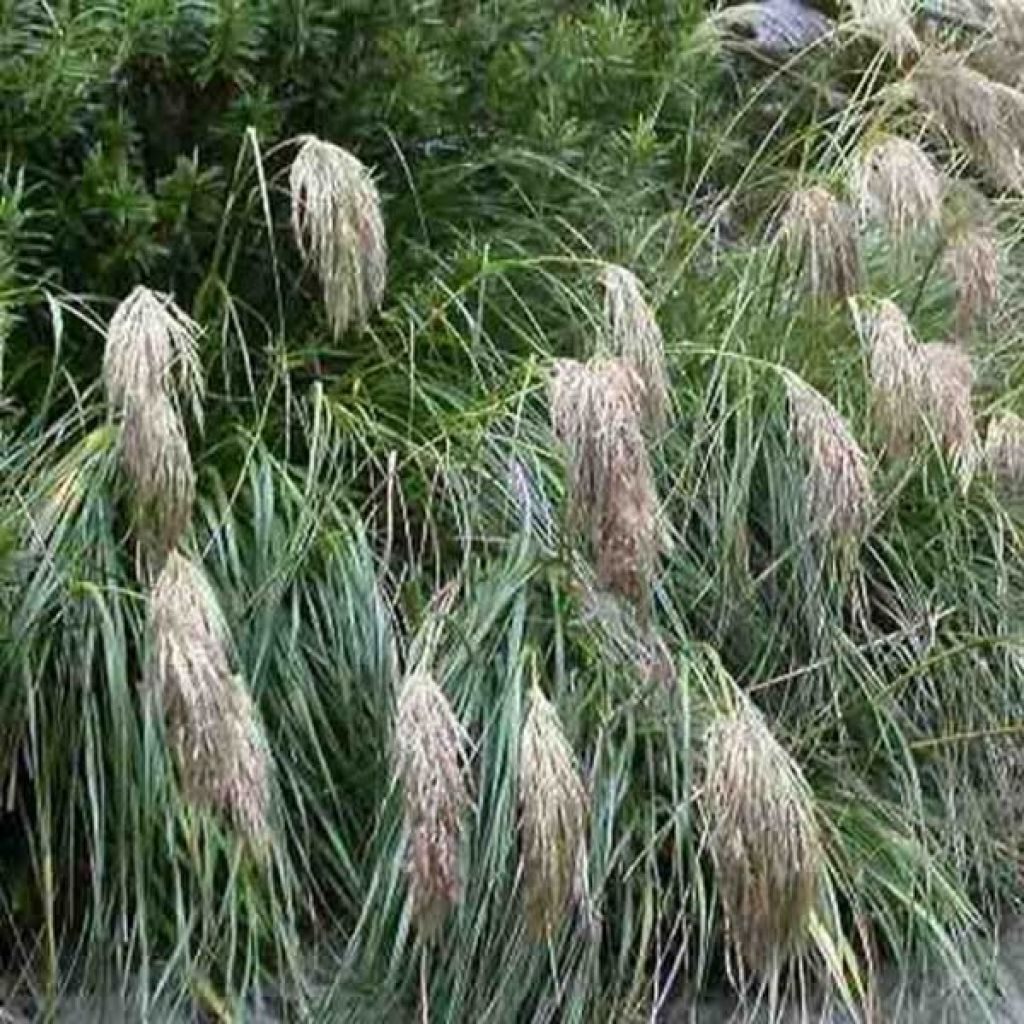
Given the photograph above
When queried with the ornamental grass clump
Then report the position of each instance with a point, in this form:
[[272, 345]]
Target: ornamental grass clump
[[897, 185], [1004, 449], [898, 396], [820, 234], [763, 837], [339, 229], [430, 758], [212, 724], [596, 413], [552, 815], [837, 485], [635, 337]]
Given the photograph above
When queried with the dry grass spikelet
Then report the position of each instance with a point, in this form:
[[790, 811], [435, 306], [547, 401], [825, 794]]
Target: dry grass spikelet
[[896, 183], [888, 23], [978, 113], [150, 342], [1004, 449], [214, 728], [898, 395], [339, 229], [972, 260], [837, 488], [156, 459], [949, 379], [763, 837], [596, 413], [819, 232], [636, 337], [553, 814], [429, 760]]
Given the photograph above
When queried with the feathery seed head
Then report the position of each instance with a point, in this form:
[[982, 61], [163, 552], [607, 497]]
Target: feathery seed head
[[150, 350], [429, 760], [1004, 449], [221, 751], [888, 23], [948, 380], [595, 412], [976, 112], [553, 813], [896, 183], [819, 232], [898, 394], [339, 229], [837, 487], [156, 459], [763, 836], [636, 337], [972, 260]]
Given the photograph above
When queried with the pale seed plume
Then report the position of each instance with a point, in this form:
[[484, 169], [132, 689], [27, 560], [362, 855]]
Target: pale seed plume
[[889, 23], [156, 460], [1004, 449], [151, 350], [596, 411], [819, 232], [635, 337], [897, 184], [949, 379], [837, 486], [553, 814], [210, 718], [972, 260], [979, 114], [430, 760], [899, 397], [339, 229], [763, 836]]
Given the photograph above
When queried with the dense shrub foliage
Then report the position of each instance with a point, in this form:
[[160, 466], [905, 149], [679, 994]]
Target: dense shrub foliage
[[588, 639]]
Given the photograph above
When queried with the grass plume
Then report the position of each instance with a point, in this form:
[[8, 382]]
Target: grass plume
[[339, 229], [763, 836], [430, 760], [210, 718], [819, 233], [553, 814]]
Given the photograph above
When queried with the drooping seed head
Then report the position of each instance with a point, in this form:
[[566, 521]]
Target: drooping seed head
[[896, 183], [553, 814], [430, 763], [977, 113], [819, 233], [635, 337], [596, 413], [837, 486], [215, 731], [898, 395], [763, 837], [1004, 449], [972, 261], [156, 459], [949, 379], [888, 23], [151, 350], [339, 229]]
